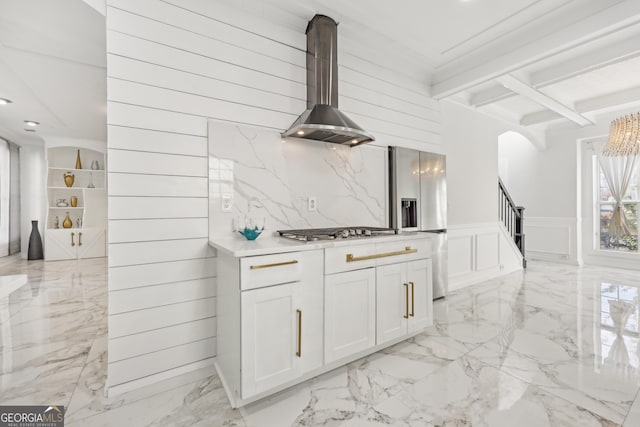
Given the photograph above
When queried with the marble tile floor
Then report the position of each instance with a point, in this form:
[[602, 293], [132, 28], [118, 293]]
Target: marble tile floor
[[553, 346]]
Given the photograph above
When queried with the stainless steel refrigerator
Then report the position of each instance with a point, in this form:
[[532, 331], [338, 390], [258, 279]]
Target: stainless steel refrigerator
[[418, 202]]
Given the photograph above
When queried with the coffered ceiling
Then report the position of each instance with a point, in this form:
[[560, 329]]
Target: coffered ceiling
[[539, 64]]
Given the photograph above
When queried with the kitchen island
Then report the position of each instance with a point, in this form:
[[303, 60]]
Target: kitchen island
[[288, 311]]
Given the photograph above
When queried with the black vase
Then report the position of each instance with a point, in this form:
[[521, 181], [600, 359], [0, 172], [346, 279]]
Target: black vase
[[35, 243]]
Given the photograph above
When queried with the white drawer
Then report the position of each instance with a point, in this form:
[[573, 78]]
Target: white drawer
[[404, 250], [335, 259], [363, 255], [266, 270]]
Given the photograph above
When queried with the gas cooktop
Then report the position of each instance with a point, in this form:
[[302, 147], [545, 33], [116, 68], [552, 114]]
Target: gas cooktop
[[311, 234]]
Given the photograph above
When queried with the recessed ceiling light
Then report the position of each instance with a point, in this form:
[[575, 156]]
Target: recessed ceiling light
[[355, 141], [300, 132], [30, 130], [31, 123], [5, 101]]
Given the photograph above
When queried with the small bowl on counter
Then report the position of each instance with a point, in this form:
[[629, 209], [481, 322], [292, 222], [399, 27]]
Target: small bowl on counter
[[248, 227]]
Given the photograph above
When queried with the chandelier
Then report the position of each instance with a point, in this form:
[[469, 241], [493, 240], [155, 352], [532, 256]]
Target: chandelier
[[624, 136]]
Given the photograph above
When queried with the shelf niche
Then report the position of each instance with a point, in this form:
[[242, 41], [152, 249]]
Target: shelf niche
[[89, 186]]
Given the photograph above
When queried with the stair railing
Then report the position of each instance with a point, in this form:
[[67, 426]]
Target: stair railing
[[512, 217]]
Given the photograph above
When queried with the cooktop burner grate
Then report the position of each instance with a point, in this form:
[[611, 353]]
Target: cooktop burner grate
[[311, 234]]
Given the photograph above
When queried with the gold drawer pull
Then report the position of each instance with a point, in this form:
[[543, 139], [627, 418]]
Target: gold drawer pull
[[299, 352], [407, 250], [406, 288], [277, 264], [413, 297], [79, 239], [73, 243]]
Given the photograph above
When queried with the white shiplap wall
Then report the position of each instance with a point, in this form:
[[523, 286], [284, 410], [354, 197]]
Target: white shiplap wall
[[172, 65]]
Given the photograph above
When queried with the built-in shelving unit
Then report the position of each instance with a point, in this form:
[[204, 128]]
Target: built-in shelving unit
[[86, 237]]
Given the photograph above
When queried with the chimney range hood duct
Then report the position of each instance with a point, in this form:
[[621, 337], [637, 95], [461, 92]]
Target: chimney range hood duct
[[322, 121]]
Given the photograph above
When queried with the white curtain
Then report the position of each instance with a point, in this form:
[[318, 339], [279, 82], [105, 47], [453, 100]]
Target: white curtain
[[617, 171]]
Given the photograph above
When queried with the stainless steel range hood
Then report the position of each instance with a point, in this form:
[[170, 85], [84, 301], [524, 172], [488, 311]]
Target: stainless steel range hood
[[322, 121]]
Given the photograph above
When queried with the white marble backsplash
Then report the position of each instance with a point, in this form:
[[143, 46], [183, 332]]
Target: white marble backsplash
[[271, 178]]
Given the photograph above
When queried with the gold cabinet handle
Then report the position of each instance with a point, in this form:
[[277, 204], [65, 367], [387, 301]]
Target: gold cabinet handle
[[79, 239], [277, 264], [407, 250], [299, 352], [406, 288], [73, 242], [413, 306]]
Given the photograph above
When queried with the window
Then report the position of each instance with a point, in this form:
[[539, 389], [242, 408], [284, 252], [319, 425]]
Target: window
[[605, 206]]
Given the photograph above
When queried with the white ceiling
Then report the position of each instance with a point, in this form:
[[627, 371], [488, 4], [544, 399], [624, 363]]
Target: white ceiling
[[53, 68], [565, 61], [539, 64]]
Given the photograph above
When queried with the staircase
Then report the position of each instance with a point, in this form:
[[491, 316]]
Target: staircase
[[512, 217]]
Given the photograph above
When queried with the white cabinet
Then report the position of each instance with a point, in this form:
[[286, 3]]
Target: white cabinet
[[375, 293], [286, 317], [74, 243], [277, 301], [83, 199], [350, 313], [271, 337], [404, 295]]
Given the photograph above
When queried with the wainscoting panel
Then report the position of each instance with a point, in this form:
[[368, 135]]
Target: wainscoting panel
[[551, 239], [478, 252], [487, 251], [460, 255]]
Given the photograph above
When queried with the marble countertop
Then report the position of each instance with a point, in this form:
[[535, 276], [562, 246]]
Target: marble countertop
[[238, 246]]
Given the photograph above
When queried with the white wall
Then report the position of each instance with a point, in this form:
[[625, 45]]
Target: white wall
[[546, 183], [5, 188], [170, 69], [14, 205], [471, 140], [478, 248], [32, 190]]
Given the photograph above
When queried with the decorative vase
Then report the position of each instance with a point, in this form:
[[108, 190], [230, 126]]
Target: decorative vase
[[74, 201], [35, 243], [69, 178], [91, 181], [95, 165], [78, 162], [67, 223], [56, 222]]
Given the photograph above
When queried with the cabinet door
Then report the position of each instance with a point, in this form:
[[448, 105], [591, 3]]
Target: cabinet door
[[269, 335], [91, 242], [60, 244], [393, 299], [349, 313], [312, 283], [419, 279]]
